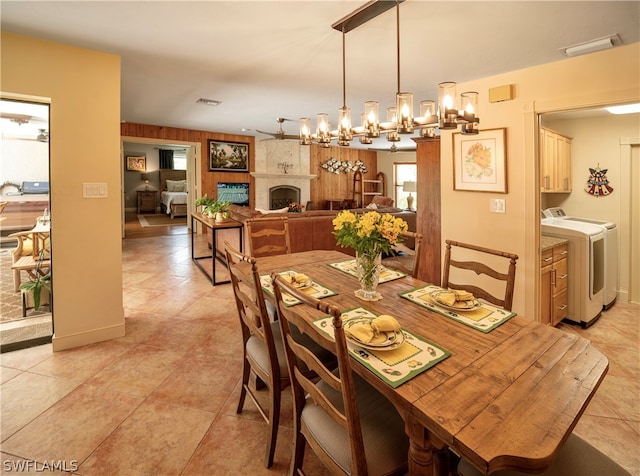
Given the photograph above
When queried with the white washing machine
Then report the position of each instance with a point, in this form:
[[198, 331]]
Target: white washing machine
[[611, 251], [585, 267]]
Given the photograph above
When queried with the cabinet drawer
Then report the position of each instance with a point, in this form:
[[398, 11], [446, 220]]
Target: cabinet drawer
[[560, 252], [546, 258], [561, 277], [559, 307]]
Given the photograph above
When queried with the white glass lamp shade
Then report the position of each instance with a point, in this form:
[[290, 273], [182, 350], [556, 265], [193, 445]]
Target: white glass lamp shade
[[372, 117], [447, 105], [392, 120], [364, 138], [428, 115], [305, 131], [323, 129], [344, 126], [469, 104], [404, 108]]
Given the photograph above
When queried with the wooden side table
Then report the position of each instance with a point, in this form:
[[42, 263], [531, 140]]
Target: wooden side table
[[147, 201]]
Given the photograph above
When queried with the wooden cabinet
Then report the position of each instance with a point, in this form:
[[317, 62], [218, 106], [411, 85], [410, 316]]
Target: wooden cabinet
[[554, 281], [555, 162], [147, 201]]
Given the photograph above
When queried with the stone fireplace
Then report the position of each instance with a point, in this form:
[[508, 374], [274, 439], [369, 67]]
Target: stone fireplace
[[282, 195], [281, 165]]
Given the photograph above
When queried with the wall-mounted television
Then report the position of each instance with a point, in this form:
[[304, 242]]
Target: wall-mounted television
[[236, 193]]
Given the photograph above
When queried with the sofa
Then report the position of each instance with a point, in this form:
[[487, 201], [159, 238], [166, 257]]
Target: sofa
[[308, 230]]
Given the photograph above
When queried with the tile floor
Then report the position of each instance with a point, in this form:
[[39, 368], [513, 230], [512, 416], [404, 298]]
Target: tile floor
[[161, 400]]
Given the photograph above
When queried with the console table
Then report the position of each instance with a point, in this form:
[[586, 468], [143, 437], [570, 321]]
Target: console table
[[214, 226]]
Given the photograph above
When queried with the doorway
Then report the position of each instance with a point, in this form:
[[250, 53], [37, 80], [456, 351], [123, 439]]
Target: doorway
[[25, 218], [610, 143], [152, 182]]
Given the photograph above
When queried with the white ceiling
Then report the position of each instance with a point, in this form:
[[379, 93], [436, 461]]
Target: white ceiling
[[268, 59]]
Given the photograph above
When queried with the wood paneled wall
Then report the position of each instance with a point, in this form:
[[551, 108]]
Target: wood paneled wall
[[210, 180], [328, 186], [331, 186]]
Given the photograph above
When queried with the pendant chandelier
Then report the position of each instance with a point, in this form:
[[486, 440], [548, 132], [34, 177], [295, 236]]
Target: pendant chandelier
[[400, 118]]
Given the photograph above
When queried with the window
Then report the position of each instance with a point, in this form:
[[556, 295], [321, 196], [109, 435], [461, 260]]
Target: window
[[180, 159], [404, 172]]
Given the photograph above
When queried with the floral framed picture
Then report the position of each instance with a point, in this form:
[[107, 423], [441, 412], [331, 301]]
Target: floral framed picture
[[480, 161], [228, 156], [137, 163]]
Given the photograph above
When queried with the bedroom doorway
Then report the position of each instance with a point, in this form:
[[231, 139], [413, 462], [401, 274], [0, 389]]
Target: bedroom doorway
[[146, 210]]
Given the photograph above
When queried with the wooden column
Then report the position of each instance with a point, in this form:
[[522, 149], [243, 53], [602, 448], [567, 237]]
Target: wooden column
[[428, 207]]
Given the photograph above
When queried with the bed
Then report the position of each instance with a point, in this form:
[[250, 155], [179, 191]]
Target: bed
[[173, 192]]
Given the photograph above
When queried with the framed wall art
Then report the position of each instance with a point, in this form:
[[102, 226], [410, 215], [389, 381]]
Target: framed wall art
[[137, 163], [480, 161], [228, 156]]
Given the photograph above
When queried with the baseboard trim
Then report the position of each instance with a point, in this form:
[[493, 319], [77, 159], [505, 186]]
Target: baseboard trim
[[89, 337]]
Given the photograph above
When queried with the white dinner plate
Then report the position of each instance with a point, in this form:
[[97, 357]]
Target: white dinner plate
[[392, 341]]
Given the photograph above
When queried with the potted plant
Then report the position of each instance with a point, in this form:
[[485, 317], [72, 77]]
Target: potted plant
[[205, 202], [219, 209], [37, 291]]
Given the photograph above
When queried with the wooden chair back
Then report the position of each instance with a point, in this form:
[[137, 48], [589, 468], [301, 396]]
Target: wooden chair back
[[479, 267], [255, 324], [347, 415], [268, 236], [410, 259]]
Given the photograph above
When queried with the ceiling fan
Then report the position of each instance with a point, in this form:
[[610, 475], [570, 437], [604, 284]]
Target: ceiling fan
[[17, 118], [394, 148], [280, 134]]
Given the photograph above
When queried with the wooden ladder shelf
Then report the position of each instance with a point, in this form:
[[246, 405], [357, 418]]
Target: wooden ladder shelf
[[365, 189]]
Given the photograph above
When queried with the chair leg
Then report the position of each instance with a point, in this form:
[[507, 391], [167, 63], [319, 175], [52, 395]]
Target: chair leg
[[246, 370], [16, 280], [299, 447], [274, 421]]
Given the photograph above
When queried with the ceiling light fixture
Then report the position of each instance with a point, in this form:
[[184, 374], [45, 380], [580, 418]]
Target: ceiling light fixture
[[400, 118], [591, 46], [625, 109]]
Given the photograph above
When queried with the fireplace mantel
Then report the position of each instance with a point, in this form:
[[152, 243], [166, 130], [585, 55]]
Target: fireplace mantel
[[284, 176]]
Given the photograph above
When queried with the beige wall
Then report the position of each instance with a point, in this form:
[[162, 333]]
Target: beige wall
[[83, 88], [599, 78]]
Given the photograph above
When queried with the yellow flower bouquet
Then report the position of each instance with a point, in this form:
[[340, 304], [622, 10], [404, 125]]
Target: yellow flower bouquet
[[369, 234]]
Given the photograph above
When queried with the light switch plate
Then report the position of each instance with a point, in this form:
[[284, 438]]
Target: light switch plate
[[497, 205], [94, 190]]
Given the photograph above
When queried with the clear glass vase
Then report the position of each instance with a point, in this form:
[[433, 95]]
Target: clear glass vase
[[368, 266]]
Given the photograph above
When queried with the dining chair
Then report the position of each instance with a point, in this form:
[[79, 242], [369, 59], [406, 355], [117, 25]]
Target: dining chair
[[263, 352], [407, 260], [358, 436], [262, 346], [268, 236], [576, 458], [474, 263]]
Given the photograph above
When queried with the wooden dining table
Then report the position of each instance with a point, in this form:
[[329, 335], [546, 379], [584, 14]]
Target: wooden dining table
[[504, 399]]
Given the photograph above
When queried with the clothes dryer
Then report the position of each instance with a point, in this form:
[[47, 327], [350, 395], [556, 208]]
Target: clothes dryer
[[585, 267], [611, 251]]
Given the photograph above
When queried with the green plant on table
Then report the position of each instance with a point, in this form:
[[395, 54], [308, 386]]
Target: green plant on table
[[36, 285]]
